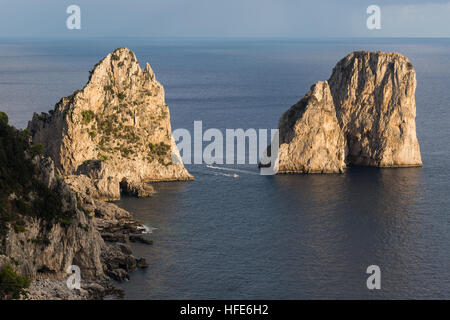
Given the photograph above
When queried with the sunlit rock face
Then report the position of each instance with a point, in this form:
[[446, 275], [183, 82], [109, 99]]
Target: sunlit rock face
[[363, 115], [120, 119], [310, 136]]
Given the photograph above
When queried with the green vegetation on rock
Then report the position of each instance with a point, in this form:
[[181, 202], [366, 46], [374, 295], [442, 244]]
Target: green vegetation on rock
[[3, 117], [37, 149], [21, 194], [12, 285], [102, 158], [87, 115], [108, 88], [160, 149]]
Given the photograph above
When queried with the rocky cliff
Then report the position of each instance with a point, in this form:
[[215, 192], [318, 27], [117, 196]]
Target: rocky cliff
[[43, 229], [46, 243], [45, 226], [116, 130], [363, 115]]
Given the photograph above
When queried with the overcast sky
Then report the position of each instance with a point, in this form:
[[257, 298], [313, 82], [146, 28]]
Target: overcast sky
[[226, 18]]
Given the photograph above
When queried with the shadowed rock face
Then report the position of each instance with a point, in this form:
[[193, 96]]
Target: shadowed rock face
[[43, 229], [363, 115], [47, 227], [119, 118]]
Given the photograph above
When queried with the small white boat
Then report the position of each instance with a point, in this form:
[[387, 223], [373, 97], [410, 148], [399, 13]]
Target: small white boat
[[234, 175]]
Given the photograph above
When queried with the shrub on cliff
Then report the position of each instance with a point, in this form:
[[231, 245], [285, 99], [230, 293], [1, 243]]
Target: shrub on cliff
[[87, 115], [16, 168], [21, 194], [3, 117], [12, 285], [37, 149]]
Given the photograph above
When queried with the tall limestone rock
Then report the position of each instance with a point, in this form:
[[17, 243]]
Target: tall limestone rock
[[116, 130], [363, 115], [310, 136], [374, 96]]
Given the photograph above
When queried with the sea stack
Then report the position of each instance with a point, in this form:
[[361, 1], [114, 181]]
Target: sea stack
[[115, 132], [363, 115]]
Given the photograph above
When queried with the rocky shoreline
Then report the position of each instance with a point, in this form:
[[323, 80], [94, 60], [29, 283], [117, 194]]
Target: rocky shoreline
[[112, 137], [117, 229]]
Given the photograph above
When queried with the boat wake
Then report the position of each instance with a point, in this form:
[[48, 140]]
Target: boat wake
[[232, 169], [146, 229]]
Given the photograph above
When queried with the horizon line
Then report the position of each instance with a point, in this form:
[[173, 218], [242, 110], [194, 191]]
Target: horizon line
[[92, 37]]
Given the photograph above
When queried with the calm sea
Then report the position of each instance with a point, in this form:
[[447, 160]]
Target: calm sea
[[267, 237]]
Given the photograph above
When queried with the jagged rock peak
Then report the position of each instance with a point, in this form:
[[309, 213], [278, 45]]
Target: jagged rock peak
[[371, 108], [120, 119], [119, 66]]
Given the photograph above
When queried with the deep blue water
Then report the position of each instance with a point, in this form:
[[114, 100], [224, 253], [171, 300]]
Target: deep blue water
[[280, 237]]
